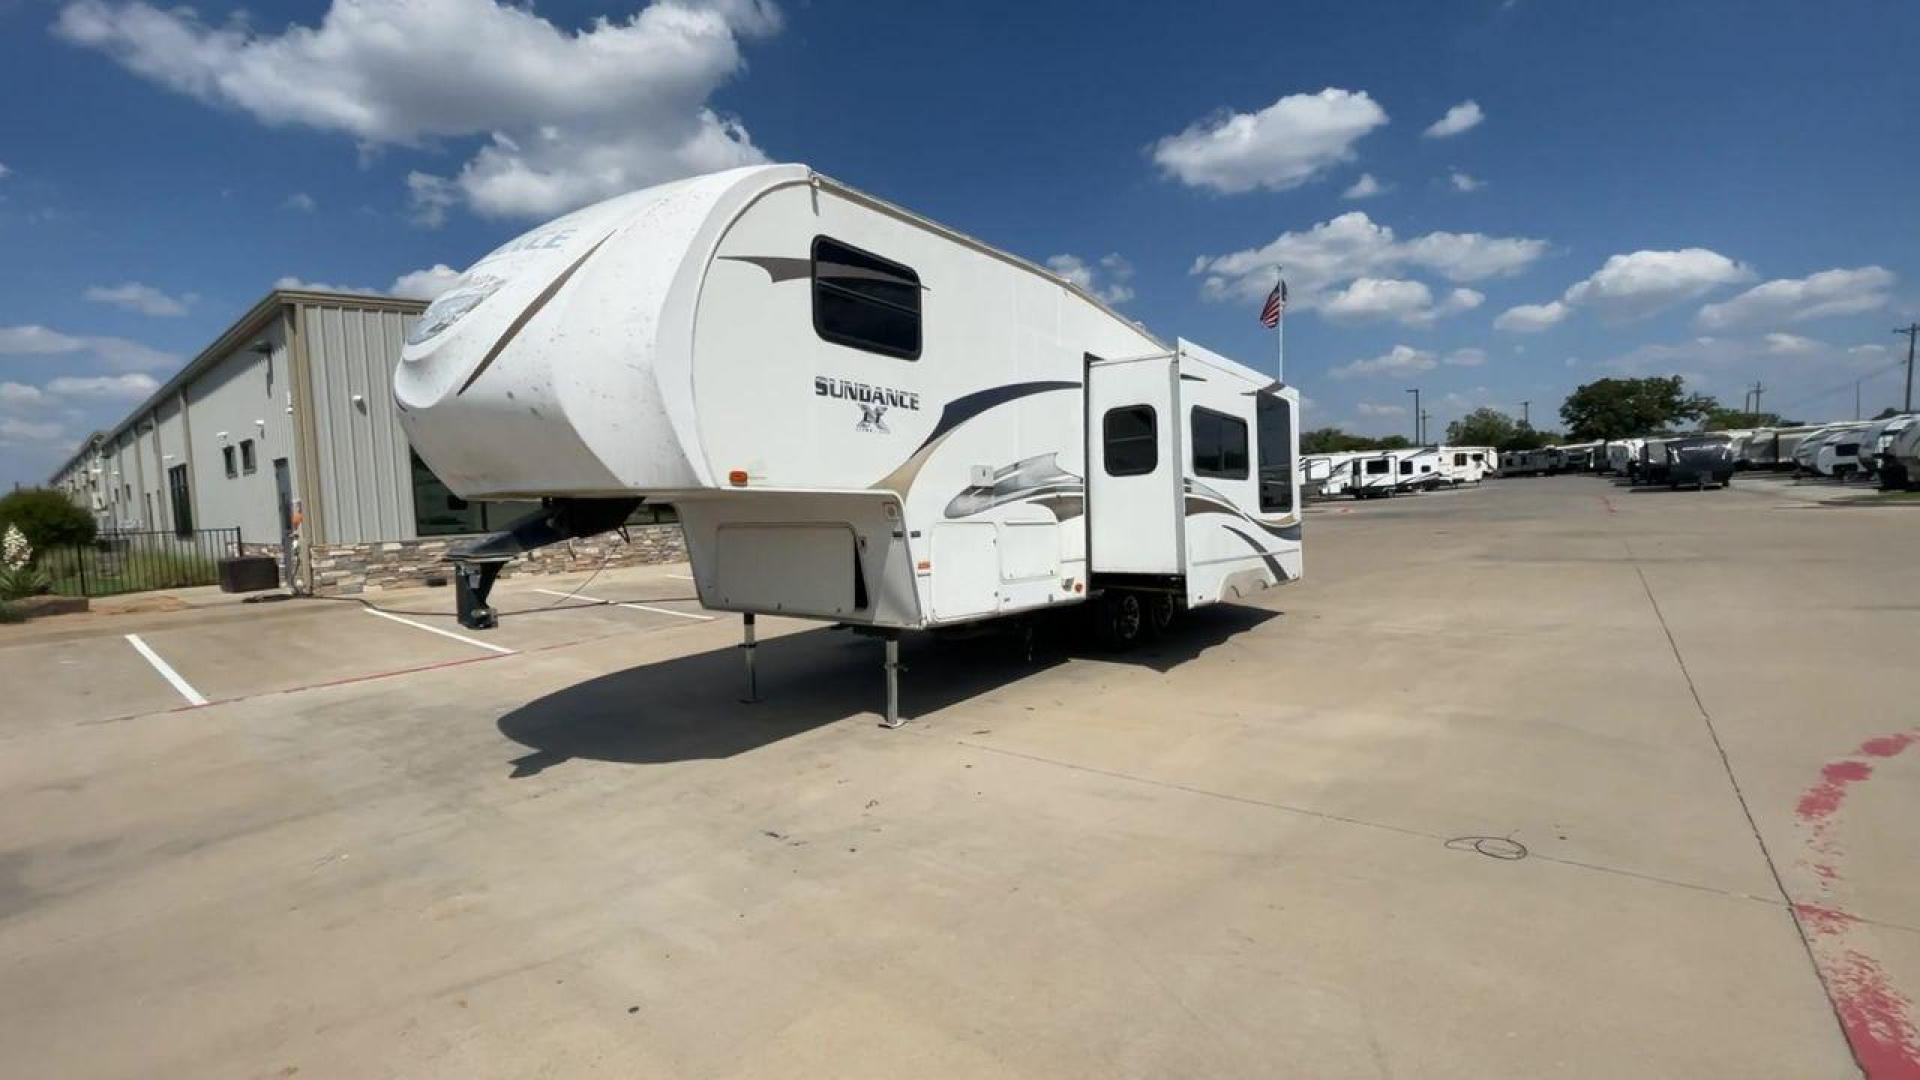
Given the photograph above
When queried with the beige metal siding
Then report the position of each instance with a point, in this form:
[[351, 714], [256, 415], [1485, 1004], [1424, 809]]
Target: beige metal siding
[[242, 396], [363, 474]]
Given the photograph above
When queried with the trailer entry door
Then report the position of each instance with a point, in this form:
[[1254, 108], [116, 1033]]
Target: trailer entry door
[[1133, 466]]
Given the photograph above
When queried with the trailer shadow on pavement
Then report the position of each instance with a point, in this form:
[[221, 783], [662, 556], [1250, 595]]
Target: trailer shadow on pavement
[[689, 708]]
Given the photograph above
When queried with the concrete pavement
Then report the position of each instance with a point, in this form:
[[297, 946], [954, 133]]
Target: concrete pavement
[[1247, 851]]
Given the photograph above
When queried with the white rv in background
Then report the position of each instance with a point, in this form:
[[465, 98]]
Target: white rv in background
[[1878, 437], [1900, 461], [1523, 462], [1373, 475], [1465, 464], [1621, 455], [861, 416], [1417, 469]]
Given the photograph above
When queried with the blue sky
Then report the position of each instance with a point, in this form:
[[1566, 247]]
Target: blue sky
[[1560, 191]]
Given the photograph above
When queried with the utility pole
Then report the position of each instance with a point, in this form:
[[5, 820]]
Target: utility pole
[[1523, 414], [1424, 417], [1416, 416], [1912, 330]]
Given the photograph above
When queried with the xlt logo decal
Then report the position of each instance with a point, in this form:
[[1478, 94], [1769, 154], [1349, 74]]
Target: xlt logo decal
[[874, 401]]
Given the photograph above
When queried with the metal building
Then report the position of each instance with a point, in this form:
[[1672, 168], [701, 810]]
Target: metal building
[[285, 425]]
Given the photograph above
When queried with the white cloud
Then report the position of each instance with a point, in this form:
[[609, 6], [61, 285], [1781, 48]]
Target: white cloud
[[4, 171], [13, 393], [14, 432], [1633, 285], [1640, 283], [1531, 318], [300, 201], [1282, 146], [144, 299], [129, 387], [1829, 292], [303, 285], [1462, 117], [425, 284], [1399, 360], [430, 197], [1367, 299], [1468, 357], [1352, 246], [569, 116], [1793, 345], [32, 339], [116, 353], [1368, 408], [1364, 188], [1106, 280], [1463, 183]]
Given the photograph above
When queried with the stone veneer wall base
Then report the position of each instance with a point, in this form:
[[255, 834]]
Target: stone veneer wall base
[[346, 569]]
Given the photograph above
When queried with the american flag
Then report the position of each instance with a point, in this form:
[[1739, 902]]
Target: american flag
[[1276, 304]]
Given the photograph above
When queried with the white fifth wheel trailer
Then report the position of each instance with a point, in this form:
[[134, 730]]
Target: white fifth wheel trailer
[[1373, 475], [861, 416]]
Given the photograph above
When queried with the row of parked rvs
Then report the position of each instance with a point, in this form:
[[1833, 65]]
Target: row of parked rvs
[[1371, 474], [1886, 449]]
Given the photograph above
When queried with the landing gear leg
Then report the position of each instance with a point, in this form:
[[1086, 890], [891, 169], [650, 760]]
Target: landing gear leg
[[747, 647], [893, 682]]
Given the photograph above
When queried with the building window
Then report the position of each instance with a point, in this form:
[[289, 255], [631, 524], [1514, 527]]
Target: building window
[[865, 302], [228, 459], [1275, 417], [247, 461], [1219, 445], [1132, 437], [182, 505]]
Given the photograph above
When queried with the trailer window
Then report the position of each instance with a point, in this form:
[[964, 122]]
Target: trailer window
[[1219, 445], [1406, 466], [865, 302], [1275, 417], [1132, 438], [1377, 466], [1459, 459]]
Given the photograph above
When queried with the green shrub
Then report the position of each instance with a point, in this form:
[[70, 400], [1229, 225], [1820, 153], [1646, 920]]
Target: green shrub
[[47, 517]]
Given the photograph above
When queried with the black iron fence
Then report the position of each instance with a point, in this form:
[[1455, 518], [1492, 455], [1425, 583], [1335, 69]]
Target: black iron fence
[[124, 562]]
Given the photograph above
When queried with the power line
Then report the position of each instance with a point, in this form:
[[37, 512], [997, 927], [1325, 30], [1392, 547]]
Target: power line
[[1797, 402]]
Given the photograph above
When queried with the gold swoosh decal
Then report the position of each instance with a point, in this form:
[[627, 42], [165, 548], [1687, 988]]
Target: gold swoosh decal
[[520, 322]]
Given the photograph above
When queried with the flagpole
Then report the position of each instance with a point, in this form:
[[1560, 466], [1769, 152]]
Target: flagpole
[[1280, 333]]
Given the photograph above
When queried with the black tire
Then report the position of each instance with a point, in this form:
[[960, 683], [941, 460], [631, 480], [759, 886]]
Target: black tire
[[1120, 620], [1162, 610]]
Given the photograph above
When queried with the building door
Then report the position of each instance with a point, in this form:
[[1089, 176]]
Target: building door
[[283, 494], [182, 505]]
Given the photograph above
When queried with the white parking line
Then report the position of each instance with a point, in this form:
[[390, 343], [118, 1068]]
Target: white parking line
[[682, 577], [443, 633], [166, 671], [636, 607]]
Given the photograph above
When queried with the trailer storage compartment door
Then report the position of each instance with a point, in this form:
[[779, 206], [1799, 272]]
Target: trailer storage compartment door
[[1133, 466]]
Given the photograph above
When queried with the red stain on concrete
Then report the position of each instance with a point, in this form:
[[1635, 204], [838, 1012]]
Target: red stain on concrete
[[1876, 1017], [1887, 745], [1823, 799]]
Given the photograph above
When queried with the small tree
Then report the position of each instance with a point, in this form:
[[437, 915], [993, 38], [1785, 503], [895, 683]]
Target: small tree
[[46, 517], [1482, 427], [1618, 408]]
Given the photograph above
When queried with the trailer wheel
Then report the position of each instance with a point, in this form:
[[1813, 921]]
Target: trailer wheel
[[1120, 620], [1162, 609]]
